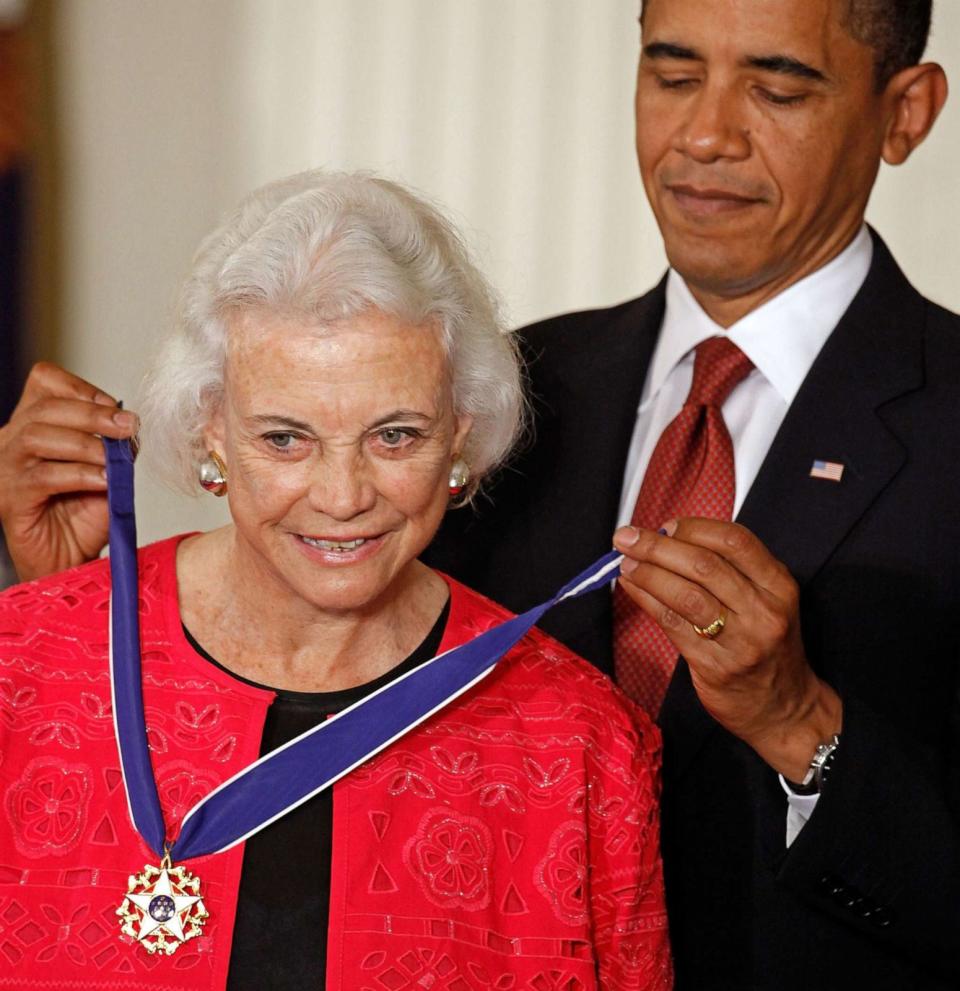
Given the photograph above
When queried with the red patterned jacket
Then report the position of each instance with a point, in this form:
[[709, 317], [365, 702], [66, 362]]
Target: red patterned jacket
[[510, 842]]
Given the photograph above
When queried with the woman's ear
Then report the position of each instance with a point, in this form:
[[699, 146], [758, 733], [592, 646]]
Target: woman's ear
[[214, 432], [462, 431], [916, 96]]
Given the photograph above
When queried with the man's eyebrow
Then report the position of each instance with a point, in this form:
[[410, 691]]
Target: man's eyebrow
[[667, 49], [785, 65]]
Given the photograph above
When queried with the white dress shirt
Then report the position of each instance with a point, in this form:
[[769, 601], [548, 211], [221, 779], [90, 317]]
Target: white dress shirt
[[782, 338]]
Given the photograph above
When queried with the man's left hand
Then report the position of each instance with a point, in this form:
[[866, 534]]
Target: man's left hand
[[753, 677]]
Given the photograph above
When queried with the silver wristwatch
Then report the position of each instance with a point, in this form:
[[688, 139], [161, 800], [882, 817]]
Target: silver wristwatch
[[819, 768]]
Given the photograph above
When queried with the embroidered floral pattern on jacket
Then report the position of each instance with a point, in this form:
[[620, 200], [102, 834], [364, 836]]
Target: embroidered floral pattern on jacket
[[562, 875], [48, 806], [450, 857]]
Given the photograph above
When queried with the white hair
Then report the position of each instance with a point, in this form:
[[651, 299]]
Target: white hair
[[322, 247]]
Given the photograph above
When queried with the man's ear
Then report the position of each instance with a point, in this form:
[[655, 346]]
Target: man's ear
[[916, 96]]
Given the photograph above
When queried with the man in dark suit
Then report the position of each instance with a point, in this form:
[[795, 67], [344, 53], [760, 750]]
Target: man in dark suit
[[760, 128], [815, 635]]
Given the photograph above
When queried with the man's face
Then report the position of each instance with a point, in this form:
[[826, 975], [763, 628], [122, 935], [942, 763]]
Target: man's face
[[759, 133]]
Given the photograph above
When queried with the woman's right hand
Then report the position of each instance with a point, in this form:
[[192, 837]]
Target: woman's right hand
[[53, 488]]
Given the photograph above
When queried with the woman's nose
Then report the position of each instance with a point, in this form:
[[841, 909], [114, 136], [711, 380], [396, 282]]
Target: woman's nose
[[341, 488]]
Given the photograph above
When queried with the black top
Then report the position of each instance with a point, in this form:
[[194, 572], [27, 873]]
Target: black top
[[280, 935]]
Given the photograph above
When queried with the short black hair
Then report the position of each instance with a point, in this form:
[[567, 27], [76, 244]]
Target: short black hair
[[896, 30]]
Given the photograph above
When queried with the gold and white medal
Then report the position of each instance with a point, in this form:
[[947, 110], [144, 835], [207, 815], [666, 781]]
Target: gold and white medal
[[162, 908]]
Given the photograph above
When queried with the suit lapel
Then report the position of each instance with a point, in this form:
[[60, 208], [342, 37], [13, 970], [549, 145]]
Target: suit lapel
[[601, 384], [872, 358], [595, 394]]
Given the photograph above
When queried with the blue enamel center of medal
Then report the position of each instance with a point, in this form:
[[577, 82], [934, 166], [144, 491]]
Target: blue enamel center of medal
[[161, 908]]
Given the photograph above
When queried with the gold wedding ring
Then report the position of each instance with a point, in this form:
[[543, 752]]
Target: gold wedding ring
[[712, 631]]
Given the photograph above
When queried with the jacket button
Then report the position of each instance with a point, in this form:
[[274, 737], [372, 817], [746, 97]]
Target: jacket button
[[881, 917], [845, 895], [830, 884]]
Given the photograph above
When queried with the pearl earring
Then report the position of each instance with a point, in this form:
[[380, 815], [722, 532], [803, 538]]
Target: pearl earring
[[459, 476]]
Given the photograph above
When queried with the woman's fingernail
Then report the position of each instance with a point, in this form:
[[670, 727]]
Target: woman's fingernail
[[628, 566], [626, 536], [668, 529]]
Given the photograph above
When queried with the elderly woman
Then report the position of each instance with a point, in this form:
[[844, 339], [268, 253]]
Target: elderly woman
[[338, 371]]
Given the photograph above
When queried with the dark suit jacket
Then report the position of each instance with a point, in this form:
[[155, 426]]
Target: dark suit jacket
[[868, 896]]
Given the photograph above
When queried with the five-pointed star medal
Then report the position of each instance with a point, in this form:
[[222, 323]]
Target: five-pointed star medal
[[156, 908]]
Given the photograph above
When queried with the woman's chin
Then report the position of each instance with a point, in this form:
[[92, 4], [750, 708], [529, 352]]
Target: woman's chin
[[340, 581]]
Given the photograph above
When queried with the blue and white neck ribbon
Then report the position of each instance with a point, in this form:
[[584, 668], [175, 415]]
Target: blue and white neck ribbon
[[292, 774]]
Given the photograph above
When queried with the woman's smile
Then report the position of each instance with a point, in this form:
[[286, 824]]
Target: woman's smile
[[340, 553]]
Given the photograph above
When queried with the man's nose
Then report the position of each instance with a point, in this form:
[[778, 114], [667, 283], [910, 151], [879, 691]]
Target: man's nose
[[341, 487], [714, 127]]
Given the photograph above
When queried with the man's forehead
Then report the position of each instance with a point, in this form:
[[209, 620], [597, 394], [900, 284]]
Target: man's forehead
[[810, 23], [812, 32]]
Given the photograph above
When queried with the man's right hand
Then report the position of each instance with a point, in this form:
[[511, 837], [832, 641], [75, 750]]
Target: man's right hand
[[53, 488]]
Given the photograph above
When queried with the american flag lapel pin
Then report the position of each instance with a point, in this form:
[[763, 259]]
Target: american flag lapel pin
[[830, 470]]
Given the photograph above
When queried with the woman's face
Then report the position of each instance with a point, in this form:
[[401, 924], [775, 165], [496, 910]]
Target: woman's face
[[338, 443]]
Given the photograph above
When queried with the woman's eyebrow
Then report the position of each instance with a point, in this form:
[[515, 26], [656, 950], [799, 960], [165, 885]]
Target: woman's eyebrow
[[401, 414], [276, 420]]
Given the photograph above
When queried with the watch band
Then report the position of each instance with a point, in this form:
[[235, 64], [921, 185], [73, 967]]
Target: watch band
[[820, 765]]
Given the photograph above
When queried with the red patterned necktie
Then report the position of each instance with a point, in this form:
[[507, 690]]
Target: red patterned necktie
[[691, 473]]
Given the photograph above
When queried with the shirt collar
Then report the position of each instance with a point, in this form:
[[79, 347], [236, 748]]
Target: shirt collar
[[782, 337]]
